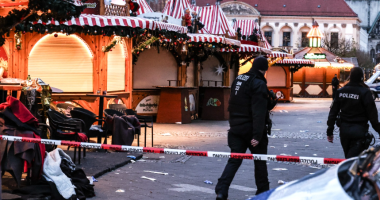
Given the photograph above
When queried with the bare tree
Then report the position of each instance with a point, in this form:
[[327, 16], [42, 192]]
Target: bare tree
[[364, 59], [341, 47]]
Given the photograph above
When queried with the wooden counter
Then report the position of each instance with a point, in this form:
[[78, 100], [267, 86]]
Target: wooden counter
[[174, 105]]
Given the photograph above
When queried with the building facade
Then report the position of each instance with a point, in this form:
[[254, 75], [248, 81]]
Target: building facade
[[286, 23], [369, 14]]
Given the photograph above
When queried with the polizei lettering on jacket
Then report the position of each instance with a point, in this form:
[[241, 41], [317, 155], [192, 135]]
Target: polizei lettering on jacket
[[348, 96]]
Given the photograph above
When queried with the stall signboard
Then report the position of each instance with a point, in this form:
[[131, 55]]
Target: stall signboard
[[149, 105], [315, 56], [159, 17], [93, 7]]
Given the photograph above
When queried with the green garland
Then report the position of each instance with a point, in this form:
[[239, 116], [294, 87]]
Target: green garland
[[108, 48], [60, 10], [143, 45]]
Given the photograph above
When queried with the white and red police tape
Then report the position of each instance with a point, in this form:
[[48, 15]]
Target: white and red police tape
[[297, 159]]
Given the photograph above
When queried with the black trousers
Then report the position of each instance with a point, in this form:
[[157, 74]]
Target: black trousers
[[334, 91], [240, 145], [352, 138]]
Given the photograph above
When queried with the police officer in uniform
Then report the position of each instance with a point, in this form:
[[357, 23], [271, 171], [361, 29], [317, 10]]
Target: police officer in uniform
[[355, 107], [248, 108]]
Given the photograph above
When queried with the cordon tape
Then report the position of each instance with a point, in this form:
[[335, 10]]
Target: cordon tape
[[296, 159]]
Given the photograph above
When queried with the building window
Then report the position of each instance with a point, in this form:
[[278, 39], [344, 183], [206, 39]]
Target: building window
[[334, 40], [268, 36], [286, 39], [305, 40]]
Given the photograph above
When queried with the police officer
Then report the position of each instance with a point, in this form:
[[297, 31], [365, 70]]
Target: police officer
[[355, 106], [248, 108]]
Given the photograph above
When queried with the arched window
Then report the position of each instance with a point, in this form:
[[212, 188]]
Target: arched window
[[286, 36], [116, 69], [64, 62]]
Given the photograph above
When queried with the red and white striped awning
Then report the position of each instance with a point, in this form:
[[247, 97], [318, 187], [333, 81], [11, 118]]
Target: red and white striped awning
[[244, 48], [248, 26], [144, 7], [212, 38], [277, 54], [215, 20], [265, 50], [176, 8], [296, 62], [104, 21]]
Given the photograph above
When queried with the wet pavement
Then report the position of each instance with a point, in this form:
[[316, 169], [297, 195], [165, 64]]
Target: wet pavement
[[299, 130]]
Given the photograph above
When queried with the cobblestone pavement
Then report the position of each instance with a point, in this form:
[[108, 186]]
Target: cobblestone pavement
[[299, 130]]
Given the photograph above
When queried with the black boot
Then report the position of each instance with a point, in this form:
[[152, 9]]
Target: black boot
[[221, 197]]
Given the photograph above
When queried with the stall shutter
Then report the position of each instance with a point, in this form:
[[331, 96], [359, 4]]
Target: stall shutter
[[64, 62], [116, 69]]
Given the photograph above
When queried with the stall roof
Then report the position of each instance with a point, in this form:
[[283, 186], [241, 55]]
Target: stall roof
[[144, 7], [247, 27], [124, 21], [278, 54], [329, 61], [245, 48], [212, 17], [212, 38], [295, 62]]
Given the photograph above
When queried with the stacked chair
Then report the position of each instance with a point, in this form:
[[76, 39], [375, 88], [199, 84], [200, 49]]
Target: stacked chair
[[121, 109], [64, 128]]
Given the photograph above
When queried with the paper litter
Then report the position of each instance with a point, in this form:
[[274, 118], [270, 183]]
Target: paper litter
[[144, 177], [162, 173]]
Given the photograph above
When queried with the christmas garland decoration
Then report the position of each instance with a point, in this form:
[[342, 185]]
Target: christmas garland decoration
[[144, 45], [108, 48], [60, 10]]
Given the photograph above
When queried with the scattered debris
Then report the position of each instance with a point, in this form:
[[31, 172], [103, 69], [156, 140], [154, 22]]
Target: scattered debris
[[279, 169], [281, 111], [162, 173], [132, 161], [285, 145], [295, 153], [151, 179], [166, 134], [283, 154], [141, 160], [161, 157], [286, 111], [281, 182], [178, 123], [319, 122], [314, 154], [306, 145], [208, 182], [133, 157], [120, 190], [116, 173], [311, 173], [276, 129], [304, 131], [272, 147]]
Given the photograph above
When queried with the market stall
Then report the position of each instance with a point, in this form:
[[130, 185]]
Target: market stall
[[76, 56], [316, 81]]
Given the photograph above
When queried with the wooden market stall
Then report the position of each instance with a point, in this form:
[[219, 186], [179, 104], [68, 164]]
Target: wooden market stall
[[316, 81], [91, 54]]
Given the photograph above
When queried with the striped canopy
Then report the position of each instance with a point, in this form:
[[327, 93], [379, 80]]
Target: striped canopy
[[144, 7], [212, 38], [103, 21], [278, 54], [296, 61], [176, 8], [247, 27], [212, 17]]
